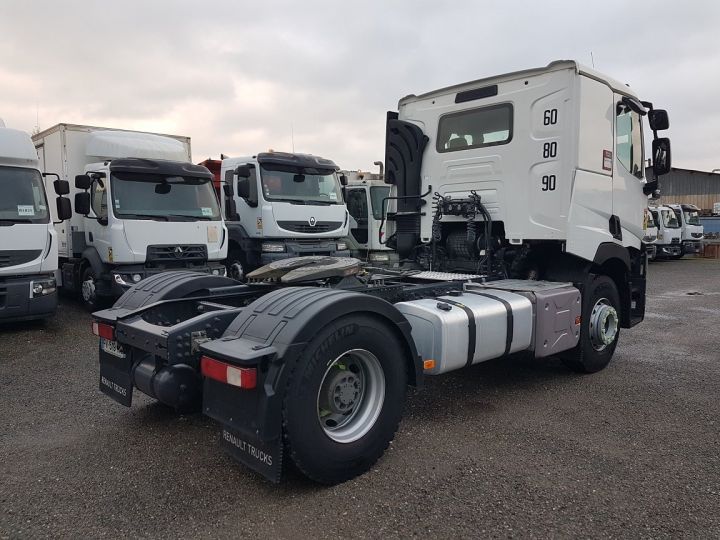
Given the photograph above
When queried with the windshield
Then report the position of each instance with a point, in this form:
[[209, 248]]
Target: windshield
[[173, 198], [300, 185], [692, 217], [22, 196], [669, 219], [377, 194]]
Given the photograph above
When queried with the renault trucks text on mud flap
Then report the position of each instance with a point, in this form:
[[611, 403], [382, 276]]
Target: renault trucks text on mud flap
[[517, 210], [140, 208], [28, 241], [279, 205]]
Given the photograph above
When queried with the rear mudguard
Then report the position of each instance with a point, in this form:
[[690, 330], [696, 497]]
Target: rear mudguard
[[271, 333]]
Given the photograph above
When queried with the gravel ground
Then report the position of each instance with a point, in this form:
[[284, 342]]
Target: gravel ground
[[502, 449]]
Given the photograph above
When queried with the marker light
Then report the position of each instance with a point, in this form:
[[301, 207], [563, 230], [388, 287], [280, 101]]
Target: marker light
[[225, 373], [103, 330]]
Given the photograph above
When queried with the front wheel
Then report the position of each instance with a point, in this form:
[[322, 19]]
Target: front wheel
[[89, 290], [236, 265], [345, 399], [600, 328]]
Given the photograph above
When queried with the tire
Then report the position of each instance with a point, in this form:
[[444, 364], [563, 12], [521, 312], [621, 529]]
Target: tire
[[591, 354], [236, 264], [88, 291], [332, 454]]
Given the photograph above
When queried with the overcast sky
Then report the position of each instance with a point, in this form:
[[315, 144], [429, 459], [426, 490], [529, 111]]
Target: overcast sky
[[240, 77]]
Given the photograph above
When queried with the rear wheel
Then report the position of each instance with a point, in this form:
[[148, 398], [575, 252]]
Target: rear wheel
[[600, 328], [345, 399], [236, 264]]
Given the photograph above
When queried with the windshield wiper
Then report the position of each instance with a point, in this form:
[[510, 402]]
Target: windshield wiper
[[144, 216], [186, 217]]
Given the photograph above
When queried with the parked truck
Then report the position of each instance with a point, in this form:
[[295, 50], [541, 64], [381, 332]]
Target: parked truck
[[279, 205], [140, 208], [365, 195], [691, 231], [651, 235], [669, 233], [28, 241], [518, 214]]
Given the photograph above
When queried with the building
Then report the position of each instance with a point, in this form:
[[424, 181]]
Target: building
[[687, 186]]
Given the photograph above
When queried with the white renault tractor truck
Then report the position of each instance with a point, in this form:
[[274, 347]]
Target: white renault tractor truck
[[141, 208], [28, 241], [365, 195], [518, 210], [691, 231], [279, 205], [669, 233]]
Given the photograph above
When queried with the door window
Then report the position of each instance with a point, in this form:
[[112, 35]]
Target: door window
[[98, 197], [628, 140]]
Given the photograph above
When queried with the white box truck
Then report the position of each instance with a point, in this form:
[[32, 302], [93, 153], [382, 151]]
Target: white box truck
[[279, 205], [668, 244], [28, 241], [527, 175], [691, 235], [141, 208]]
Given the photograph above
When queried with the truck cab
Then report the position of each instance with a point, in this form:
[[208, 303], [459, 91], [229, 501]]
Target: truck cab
[[669, 236], [140, 208], [651, 232], [28, 241], [279, 205], [688, 215], [365, 197]]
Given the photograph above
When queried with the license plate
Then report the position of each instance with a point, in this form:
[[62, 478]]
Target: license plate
[[112, 347]]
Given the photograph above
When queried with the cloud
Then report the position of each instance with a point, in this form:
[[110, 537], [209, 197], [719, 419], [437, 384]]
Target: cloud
[[241, 77]]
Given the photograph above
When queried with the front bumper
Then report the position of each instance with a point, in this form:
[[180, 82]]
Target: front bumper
[[124, 277], [692, 246], [303, 248], [27, 297], [668, 250]]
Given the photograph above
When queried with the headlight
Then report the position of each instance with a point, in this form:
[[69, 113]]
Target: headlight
[[215, 272], [379, 257], [341, 246], [136, 277], [272, 247], [119, 280], [42, 287]]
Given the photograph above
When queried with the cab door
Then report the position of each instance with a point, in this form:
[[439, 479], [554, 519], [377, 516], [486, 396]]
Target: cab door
[[97, 231], [629, 201]]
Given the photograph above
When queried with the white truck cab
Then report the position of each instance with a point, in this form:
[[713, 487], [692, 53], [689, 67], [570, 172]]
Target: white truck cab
[[651, 233], [28, 241], [669, 232], [279, 205], [140, 208], [365, 195], [691, 230]]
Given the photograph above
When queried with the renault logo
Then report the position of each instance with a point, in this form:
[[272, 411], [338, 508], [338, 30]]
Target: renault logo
[[312, 221], [178, 251]]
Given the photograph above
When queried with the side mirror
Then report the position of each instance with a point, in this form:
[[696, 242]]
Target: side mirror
[[83, 181], [82, 203], [658, 120], [243, 187], [343, 180], [228, 190], [64, 210], [62, 187], [231, 209], [243, 171], [661, 156]]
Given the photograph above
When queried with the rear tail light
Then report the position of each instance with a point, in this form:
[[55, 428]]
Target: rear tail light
[[103, 330], [225, 373]]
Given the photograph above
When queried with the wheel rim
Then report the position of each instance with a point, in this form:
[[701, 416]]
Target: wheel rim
[[351, 396], [88, 290], [604, 324]]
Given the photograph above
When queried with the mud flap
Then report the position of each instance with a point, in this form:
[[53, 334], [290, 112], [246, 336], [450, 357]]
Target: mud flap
[[116, 377], [262, 457]]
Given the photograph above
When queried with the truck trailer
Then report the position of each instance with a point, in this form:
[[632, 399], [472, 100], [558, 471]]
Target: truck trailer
[[279, 205], [141, 208], [28, 241], [517, 211]]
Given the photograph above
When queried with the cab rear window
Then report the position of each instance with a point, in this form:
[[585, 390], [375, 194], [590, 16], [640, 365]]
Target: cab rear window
[[475, 128]]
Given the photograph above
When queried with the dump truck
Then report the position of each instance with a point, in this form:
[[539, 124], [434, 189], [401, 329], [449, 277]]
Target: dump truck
[[517, 210]]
